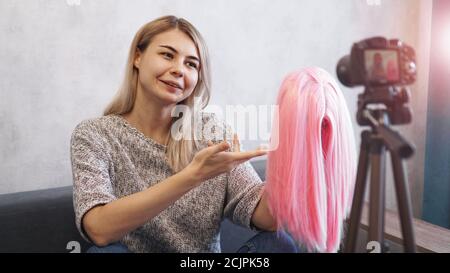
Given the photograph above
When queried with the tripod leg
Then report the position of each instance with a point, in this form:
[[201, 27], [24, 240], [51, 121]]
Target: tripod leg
[[358, 196], [404, 204], [377, 191]]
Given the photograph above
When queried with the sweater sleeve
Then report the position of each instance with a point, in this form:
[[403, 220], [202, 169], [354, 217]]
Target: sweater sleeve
[[244, 186], [244, 190], [90, 172]]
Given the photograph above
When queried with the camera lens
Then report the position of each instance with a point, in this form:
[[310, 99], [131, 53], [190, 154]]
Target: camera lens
[[343, 71]]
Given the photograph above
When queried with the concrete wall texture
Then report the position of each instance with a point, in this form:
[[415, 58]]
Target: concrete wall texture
[[61, 61]]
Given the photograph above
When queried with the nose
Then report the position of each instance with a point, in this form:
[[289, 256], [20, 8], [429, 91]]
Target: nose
[[176, 70], [176, 73]]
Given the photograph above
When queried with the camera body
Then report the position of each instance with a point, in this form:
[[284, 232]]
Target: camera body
[[378, 62]]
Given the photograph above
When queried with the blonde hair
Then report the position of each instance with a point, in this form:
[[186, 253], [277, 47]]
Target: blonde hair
[[179, 152]]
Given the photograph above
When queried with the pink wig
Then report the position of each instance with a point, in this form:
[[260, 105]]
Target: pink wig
[[311, 174]]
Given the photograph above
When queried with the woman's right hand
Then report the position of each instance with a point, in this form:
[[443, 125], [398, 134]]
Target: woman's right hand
[[215, 160]]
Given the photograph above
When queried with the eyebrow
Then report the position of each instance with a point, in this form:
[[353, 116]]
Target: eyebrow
[[174, 50]]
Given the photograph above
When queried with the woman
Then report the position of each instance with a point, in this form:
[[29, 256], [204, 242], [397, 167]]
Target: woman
[[138, 186], [377, 72]]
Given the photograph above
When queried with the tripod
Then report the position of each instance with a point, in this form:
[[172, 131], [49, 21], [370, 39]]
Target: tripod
[[375, 142]]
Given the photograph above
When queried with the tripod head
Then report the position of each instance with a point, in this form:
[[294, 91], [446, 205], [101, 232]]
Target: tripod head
[[390, 109], [392, 100]]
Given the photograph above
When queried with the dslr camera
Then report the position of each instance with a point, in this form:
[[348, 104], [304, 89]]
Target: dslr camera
[[378, 62]]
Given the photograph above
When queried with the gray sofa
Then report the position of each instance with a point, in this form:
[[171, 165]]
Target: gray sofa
[[44, 221]]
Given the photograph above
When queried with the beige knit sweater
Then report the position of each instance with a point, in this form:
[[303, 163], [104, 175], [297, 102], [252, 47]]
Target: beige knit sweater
[[112, 159]]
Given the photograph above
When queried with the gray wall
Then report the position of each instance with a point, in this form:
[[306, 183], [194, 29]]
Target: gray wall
[[62, 63]]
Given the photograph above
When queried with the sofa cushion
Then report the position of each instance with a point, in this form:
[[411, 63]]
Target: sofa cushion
[[38, 221]]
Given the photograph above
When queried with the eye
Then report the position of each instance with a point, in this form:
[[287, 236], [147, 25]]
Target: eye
[[167, 55], [192, 64]]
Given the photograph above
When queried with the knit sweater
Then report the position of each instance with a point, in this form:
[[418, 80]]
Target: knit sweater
[[112, 159]]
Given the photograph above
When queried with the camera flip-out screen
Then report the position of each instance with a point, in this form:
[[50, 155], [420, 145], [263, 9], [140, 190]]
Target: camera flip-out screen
[[381, 65]]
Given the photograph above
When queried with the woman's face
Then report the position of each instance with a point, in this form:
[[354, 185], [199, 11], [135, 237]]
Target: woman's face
[[169, 67], [378, 59]]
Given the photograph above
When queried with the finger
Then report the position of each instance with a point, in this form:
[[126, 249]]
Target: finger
[[222, 146], [247, 155], [236, 143], [263, 147]]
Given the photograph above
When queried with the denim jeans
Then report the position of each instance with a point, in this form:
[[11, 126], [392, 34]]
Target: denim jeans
[[112, 248], [263, 242], [270, 242]]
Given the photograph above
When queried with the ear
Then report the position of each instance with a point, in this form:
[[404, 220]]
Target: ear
[[137, 58]]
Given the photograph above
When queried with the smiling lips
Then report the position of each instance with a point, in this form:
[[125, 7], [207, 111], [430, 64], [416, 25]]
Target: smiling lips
[[172, 84]]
